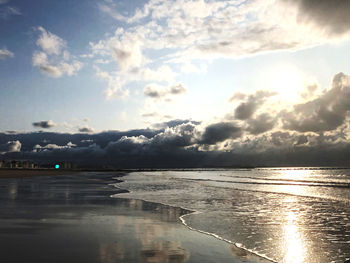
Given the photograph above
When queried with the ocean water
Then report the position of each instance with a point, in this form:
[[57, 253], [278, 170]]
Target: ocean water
[[299, 215]]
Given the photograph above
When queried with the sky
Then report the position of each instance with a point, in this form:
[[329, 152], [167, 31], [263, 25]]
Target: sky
[[182, 83]]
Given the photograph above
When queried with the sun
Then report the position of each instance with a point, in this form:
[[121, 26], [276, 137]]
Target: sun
[[286, 80]]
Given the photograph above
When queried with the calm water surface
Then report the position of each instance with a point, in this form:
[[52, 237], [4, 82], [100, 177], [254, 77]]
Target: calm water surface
[[288, 215], [73, 219]]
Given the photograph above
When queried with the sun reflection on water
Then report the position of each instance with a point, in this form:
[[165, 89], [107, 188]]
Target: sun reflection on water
[[293, 238], [298, 182]]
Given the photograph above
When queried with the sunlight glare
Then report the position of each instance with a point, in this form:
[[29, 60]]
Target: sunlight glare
[[294, 243], [286, 80]]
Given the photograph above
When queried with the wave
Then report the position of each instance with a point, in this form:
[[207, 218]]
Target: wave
[[279, 182], [183, 221]]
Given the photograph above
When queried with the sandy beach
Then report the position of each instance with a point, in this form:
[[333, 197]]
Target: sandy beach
[[72, 218], [22, 173]]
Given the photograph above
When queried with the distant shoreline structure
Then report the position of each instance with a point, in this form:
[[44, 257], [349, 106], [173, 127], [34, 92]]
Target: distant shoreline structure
[[26, 165]]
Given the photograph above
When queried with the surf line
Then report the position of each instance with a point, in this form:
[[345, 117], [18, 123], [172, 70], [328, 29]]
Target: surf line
[[183, 221]]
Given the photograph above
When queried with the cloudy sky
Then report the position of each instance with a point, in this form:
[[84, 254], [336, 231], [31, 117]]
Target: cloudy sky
[[186, 82]]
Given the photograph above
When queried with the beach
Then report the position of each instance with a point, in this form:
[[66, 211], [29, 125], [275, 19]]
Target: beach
[[289, 215], [71, 217], [23, 173]]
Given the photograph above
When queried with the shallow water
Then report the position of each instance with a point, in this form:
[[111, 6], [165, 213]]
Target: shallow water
[[73, 219], [288, 215]]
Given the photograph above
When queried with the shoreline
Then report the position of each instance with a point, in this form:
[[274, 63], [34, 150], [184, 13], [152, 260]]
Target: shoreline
[[239, 248], [28, 172]]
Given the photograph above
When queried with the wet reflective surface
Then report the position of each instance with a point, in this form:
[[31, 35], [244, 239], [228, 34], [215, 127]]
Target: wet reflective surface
[[73, 219], [298, 215]]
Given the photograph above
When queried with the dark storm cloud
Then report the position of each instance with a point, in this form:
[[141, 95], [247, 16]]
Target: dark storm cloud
[[262, 123], [166, 152], [331, 15], [29, 140], [302, 140], [246, 109], [179, 146], [219, 132], [314, 133], [44, 124], [325, 113]]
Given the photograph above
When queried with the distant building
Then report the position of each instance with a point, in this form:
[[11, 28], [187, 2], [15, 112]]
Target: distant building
[[16, 164], [65, 165], [28, 165]]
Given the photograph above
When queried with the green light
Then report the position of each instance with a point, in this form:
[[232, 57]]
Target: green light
[[57, 166]]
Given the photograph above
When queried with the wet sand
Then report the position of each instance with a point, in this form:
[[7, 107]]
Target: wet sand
[[72, 218], [22, 173]]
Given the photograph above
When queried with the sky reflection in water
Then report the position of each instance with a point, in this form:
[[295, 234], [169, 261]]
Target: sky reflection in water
[[297, 215], [72, 218]]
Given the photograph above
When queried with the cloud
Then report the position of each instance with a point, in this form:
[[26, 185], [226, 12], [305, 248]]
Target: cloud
[[150, 114], [107, 9], [325, 113], [184, 34], [262, 123], [5, 53], [173, 123], [177, 89], [183, 144], [39, 148], [7, 11], [219, 132], [53, 60], [310, 91], [10, 147], [41, 61], [86, 129], [156, 91], [50, 43], [44, 124], [330, 15], [115, 84], [246, 109], [124, 47]]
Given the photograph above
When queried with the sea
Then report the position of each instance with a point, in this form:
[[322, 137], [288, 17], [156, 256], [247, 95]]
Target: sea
[[287, 215]]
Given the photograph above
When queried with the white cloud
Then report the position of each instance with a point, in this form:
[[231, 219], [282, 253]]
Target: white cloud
[[50, 43], [53, 60], [11, 146], [184, 31], [124, 47], [59, 69], [5, 53], [52, 146], [221, 28], [108, 9], [8, 11], [114, 84]]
